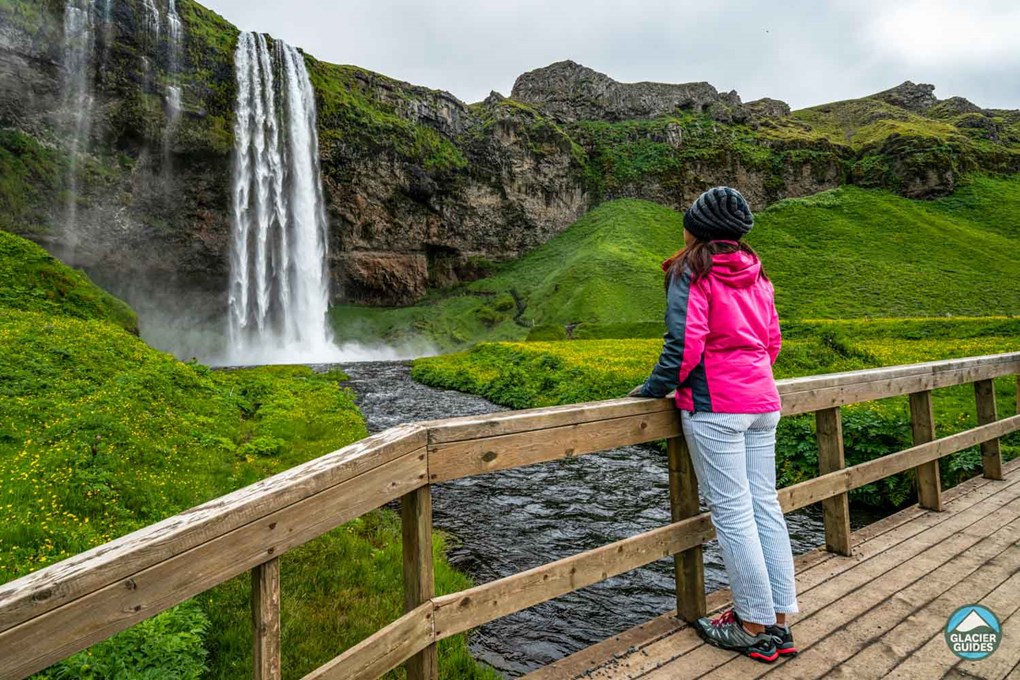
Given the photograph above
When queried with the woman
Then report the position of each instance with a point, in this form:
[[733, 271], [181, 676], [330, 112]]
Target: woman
[[721, 341]]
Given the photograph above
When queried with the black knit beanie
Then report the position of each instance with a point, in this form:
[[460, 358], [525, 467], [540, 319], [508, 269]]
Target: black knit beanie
[[719, 214]]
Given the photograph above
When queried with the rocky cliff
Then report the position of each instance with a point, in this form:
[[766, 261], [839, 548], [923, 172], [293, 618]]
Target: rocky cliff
[[423, 191]]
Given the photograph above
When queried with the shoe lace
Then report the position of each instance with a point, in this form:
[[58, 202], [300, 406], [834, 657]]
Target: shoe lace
[[726, 618]]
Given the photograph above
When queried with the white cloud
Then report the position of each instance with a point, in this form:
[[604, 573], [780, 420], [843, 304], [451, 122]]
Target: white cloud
[[802, 51], [941, 32]]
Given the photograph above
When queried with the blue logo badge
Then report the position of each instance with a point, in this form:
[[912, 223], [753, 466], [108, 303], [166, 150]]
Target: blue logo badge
[[973, 632]]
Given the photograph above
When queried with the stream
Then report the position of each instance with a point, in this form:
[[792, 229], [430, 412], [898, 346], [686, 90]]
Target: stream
[[508, 521]]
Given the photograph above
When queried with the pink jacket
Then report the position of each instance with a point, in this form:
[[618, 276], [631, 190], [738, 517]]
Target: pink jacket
[[722, 337]]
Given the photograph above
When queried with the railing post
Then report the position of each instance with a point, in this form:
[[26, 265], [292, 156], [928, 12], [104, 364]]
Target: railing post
[[991, 455], [265, 613], [835, 510], [922, 423], [688, 566], [419, 580]]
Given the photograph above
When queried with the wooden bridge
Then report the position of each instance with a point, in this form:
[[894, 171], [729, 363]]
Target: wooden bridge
[[874, 603]]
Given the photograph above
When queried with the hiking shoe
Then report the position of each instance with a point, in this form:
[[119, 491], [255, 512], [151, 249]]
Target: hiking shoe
[[783, 639], [726, 632]]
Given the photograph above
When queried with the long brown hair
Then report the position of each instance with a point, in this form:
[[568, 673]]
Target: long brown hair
[[697, 258]]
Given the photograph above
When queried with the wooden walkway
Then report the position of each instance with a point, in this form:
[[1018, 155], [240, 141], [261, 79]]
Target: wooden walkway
[[879, 613]]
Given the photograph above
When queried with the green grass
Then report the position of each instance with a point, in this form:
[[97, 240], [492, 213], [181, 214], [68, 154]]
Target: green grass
[[32, 280], [853, 252], [843, 254], [350, 112], [101, 435]]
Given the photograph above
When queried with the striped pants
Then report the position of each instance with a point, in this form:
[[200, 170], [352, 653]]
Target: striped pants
[[734, 457]]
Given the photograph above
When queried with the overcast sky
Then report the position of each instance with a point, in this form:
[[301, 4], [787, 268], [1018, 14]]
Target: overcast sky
[[804, 52]]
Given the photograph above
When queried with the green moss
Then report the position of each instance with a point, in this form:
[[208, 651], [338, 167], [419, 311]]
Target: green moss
[[34, 17], [31, 180], [350, 113], [32, 280]]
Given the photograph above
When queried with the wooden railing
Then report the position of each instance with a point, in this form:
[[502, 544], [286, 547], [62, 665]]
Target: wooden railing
[[57, 611]]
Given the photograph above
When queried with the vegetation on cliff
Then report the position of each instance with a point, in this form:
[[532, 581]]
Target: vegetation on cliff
[[33, 281], [101, 435]]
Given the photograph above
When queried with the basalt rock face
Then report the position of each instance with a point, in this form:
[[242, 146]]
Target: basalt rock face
[[570, 92], [496, 182]]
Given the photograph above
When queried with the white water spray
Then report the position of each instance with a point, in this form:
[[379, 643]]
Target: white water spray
[[279, 289], [78, 98]]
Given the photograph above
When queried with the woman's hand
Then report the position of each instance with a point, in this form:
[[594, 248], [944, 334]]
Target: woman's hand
[[636, 392]]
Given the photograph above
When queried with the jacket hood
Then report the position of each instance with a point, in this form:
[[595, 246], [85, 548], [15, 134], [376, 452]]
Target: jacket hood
[[736, 270]]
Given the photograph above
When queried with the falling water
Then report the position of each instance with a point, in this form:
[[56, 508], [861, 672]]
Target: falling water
[[175, 32], [79, 42], [279, 289], [151, 19]]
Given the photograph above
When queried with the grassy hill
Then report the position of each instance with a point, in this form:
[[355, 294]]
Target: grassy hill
[[845, 253], [100, 435], [31, 280]]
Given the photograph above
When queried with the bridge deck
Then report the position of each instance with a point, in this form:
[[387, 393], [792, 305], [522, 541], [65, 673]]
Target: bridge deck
[[878, 613]]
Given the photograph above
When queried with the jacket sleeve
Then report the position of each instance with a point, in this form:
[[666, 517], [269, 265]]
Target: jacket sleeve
[[775, 335], [684, 342]]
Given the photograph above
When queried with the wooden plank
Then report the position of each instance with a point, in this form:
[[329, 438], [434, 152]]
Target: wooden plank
[[57, 634], [991, 455], [873, 470], [922, 425], [857, 590], [796, 393], [836, 509], [49, 588], [1003, 601], [830, 397], [915, 646], [467, 609], [688, 566], [265, 612], [419, 580], [814, 490], [454, 460], [526, 420], [383, 651], [872, 645], [813, 382]]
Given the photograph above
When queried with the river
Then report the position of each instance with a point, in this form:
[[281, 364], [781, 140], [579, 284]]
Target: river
[[505, 522]]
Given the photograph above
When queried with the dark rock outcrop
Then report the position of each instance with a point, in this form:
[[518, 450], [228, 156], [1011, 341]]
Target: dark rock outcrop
[[910, 96], [569, 92]]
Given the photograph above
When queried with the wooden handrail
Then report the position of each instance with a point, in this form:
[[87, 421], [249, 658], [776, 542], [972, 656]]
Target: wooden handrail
[[52, 613]]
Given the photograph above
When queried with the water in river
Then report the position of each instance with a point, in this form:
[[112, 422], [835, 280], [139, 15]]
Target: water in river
[[508, 521]]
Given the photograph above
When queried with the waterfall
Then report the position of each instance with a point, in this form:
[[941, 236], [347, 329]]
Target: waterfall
[[279, 289], [151, 19], [79, 43], [175, 33]]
